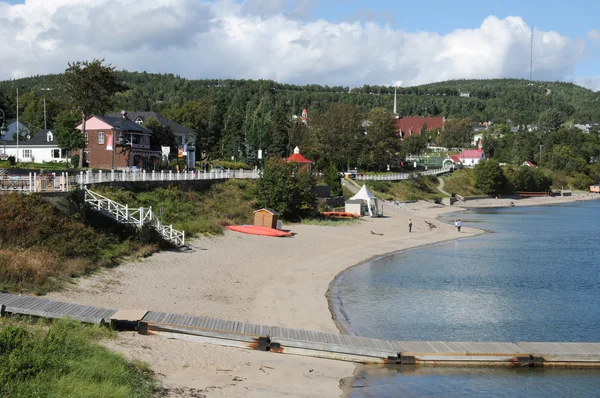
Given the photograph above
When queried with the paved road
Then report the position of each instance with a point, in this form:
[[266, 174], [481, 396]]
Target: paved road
[[351, 185]]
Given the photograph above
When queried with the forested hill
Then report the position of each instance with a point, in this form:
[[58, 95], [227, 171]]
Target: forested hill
[[498, 100]]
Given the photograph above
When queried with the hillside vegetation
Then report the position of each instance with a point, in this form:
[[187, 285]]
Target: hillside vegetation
[[495, 99], [203, 211], [41, 247], [418, 188]]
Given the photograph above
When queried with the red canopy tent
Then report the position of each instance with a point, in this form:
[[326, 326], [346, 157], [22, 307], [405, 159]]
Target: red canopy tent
[[296, 157]]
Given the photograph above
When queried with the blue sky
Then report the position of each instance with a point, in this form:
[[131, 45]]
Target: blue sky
[[415, 42]]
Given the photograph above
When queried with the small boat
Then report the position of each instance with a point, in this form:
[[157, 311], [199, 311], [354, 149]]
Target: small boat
[[254, 230], [340, 214]]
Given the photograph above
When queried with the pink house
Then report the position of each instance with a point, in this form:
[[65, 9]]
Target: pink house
[[471, 157]]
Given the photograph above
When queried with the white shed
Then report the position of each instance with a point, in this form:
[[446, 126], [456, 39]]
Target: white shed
[[354, 207]]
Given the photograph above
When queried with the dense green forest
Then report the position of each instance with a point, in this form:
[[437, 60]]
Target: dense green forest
[[498, 100], [236, 118]]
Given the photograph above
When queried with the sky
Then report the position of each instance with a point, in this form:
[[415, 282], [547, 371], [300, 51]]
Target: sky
[[328, 42]]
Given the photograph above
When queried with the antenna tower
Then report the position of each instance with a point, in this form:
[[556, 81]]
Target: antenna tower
[[531, 57]]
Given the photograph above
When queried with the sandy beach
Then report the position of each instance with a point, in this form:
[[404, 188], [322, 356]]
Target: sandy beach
[[273, 281]]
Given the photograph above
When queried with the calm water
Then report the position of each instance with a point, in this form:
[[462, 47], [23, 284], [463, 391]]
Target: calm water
[[535, 278]]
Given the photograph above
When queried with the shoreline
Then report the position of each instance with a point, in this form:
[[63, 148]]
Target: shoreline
[[332, 294], [273, 281]]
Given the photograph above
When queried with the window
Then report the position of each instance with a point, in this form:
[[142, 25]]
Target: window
[[87, 142], [49, 137], [139, 120], [26, 153], [55, 153], [101, 137], [135, 139]]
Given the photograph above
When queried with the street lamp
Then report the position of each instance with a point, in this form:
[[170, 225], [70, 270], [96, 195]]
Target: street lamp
[[114, 142], [3, 128]]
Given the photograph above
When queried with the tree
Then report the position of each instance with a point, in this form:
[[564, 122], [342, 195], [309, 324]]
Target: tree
[[280, 134], [529, 179], [332, 179], [161, 135], [90, 86], [67, 136], [414, 145], [550, 120], [381, 141], [195, 116], [287, 189], [489, 177], [457, 133]]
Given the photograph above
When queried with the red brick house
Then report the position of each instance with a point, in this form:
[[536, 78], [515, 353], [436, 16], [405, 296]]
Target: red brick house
[[413, 125], [118, 142]]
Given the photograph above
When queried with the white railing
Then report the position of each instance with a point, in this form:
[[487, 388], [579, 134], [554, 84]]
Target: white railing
[[402, 176], [137, 217], [62, 182]]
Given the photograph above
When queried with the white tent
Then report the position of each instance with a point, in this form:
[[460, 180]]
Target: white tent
[[372, 201]]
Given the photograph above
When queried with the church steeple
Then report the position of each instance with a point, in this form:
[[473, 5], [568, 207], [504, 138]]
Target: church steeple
[[395, 109]]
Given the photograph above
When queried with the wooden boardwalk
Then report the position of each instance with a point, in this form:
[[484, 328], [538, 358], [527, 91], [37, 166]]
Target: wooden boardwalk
[[317, 344], [35, 306]]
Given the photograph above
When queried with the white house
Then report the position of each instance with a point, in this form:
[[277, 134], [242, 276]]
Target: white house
[[11, 125], [40, 148], [471, 157]]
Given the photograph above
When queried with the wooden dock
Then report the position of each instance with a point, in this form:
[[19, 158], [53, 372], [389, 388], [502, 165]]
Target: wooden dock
[[312, 343]]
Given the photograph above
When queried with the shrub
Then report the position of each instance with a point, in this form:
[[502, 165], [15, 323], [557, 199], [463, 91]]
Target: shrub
[[74, 160], [529, 179], [489, 177], [11, 160]]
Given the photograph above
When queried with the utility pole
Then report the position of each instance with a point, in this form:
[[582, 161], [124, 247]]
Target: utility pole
[[18, 129], [541, 146], [45, 128]]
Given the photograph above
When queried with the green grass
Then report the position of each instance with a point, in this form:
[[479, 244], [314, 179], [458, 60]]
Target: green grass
[[460, 182], [195, 211], [331, 222], [419, 188], [64, 359]]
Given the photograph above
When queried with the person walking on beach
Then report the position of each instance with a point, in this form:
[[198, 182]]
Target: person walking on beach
[[409, 225], [458, 224]]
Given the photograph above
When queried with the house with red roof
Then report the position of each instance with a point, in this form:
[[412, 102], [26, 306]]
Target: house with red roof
[[528, 164], [471, 157], [414, 125]]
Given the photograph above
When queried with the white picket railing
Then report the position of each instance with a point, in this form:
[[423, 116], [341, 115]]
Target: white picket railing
[[62, 182], [134, 216], [402, 176]]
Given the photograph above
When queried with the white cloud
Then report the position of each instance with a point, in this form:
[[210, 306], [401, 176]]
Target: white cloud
[[267, 39], [593, 83], [594, 34]]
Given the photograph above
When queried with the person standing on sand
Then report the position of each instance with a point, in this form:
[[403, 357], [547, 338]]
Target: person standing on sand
[[458, 224], [409, 225]]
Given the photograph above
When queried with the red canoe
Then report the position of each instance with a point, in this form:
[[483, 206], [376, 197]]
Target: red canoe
[[264, 231]]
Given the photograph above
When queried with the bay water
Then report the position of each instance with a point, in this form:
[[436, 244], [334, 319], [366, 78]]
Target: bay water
[[534, 277]]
